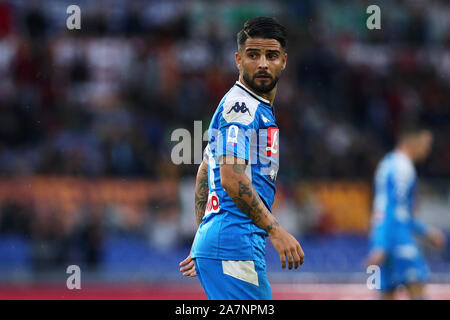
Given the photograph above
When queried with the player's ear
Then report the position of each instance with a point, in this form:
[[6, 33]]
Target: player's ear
[[238, 58], [284, 61]]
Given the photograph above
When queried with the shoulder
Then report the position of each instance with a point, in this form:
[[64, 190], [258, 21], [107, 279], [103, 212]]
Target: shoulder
[[239, 108], [384, 167], [403, 167]]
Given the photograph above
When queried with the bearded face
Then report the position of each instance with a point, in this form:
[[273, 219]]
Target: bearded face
[[260, 62], [261, 82]]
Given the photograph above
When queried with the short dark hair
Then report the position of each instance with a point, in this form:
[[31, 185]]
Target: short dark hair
[[409, 129], [262, 27]]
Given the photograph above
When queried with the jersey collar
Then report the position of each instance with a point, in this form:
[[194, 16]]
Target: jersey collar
[[254, 95]]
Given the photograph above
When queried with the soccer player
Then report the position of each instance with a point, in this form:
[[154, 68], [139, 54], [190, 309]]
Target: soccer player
[[393, 246], [235, 185]]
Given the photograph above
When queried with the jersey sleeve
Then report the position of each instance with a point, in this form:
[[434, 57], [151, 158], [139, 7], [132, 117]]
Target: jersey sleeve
[[381, 216], [206, 152], [380, 232], [237, 129]]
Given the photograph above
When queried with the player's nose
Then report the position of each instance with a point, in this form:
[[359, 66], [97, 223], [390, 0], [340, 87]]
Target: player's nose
[[263, 63]]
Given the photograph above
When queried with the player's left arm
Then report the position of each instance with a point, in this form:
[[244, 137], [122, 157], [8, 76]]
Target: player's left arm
[[405, 177], [241, 190], [434, 235]]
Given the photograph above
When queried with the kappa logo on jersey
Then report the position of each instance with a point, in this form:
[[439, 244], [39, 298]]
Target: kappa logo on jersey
[[272, 142], [242, 108], [212, 206]]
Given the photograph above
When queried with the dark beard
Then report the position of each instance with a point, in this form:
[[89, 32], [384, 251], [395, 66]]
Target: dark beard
[[263, 88]]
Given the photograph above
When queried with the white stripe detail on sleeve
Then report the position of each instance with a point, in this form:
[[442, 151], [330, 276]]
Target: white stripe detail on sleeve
[[212, 166], [243, 270]]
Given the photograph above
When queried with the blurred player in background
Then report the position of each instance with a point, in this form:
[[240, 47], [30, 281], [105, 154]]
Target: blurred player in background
[[235, 184], [393, 247]]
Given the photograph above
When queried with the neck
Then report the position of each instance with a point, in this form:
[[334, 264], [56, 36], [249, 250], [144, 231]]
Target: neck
[[406, 152], [268, 96]]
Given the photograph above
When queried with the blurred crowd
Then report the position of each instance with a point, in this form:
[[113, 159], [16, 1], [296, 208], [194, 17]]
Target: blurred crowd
[[53, 243], [104, 100]]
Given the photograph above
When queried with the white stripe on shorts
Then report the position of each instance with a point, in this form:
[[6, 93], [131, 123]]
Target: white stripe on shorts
[[242, 269]]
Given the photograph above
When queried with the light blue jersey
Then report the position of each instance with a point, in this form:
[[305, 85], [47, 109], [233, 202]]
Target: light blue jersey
[[394, 225], [243, 126]]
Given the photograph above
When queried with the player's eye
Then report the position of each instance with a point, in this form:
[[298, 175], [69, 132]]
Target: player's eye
[[272, 56], [252, 55]]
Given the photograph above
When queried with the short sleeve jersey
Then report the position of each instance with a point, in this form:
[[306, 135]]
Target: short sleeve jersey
[[244, 127], [393, 222]]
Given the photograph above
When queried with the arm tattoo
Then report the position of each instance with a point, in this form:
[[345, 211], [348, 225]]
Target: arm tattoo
[[244, 188], [248, 210], [201, 194], [255, 211], [244, 195], [272, 226]]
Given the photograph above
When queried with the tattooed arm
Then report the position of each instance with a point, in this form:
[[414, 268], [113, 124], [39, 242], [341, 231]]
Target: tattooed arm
[[241, 191], [201, 191], [187, 266]]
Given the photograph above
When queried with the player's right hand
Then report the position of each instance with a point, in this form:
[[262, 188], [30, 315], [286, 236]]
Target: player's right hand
[[287, 247], [187, 266]]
